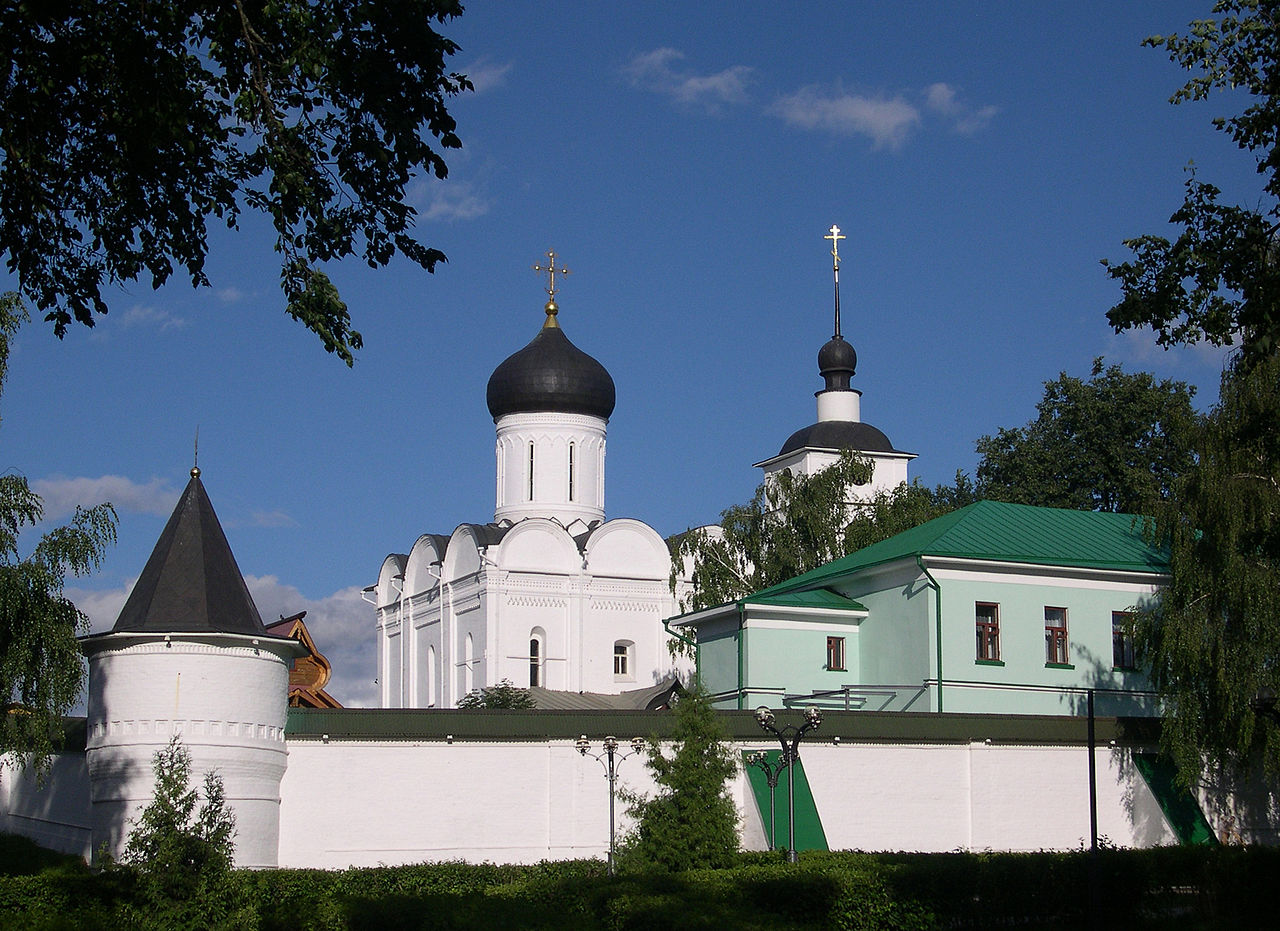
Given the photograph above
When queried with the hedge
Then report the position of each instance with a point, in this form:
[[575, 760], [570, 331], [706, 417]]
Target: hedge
[[1174, 887]]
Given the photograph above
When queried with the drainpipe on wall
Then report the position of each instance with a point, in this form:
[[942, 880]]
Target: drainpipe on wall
[[742, 635], [937, 615], [697, 654]]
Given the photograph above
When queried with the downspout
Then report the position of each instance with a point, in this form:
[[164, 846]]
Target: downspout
[[697, 654], [742, 635], [937, 615]]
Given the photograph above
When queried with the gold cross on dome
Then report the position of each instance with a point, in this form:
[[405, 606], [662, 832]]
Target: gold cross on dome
[[552, 271], [835, 237]]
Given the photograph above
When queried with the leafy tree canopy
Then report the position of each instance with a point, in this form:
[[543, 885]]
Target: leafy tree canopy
[[126, 126], [795, 523], [1218, 280], [502, 695], [41, 672], [1213, 639], [1116, 442], [692, 823]]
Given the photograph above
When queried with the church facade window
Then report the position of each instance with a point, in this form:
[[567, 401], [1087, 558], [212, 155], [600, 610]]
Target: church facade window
[[531, 471], [1122, 649], [572, 468], [537, 657], [622, 659], [468, 668], [431, 677]]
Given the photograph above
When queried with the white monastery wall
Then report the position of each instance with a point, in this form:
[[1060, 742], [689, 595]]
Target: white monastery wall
[[354, 802]]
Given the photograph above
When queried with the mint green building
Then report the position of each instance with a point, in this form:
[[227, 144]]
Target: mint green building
[[994, 608]]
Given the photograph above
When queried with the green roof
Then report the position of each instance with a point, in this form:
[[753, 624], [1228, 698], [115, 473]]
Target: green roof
[[812, 598], [996, 530]]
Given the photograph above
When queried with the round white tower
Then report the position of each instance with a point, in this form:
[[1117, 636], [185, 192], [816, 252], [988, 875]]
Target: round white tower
[[551, 404], [189, 656]]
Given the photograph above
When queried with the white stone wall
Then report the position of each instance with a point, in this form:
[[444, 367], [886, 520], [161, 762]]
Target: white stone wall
[[367, 803], [557, 492]]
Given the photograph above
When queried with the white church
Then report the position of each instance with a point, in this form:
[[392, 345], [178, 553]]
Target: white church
[[550, 594]]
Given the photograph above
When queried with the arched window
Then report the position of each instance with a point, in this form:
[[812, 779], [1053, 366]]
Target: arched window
[[623, 664], [530, 470], [468, 668], [572, 471], [431, 677], [537, 657]]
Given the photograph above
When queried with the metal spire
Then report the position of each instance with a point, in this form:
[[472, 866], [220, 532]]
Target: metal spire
[[835, 237]]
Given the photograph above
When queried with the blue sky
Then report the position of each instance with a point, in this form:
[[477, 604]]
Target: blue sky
[[684, 161]]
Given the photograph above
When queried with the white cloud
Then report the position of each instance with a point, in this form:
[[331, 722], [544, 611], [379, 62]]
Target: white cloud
[[943, 100], [147, 315], [231, 295], [486, 75], [659, 71], [887, 121], [447, 200], [102, 606], [342, 625], [63, 493]]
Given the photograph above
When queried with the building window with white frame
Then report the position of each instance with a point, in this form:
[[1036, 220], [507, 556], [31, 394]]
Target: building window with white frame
[[1055, 636], [835, 653], [1122, 652], [622, 665], [987, 626]]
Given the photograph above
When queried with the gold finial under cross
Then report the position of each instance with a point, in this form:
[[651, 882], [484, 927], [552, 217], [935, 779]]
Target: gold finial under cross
[[552, 271], [835, 237]]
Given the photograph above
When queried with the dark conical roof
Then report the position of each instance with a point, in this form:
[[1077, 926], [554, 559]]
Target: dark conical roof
[[191, 583], [550, 374], [839, 434]]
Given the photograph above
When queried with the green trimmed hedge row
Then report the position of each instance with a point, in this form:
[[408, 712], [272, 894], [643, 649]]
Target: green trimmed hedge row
[[1161, 888]]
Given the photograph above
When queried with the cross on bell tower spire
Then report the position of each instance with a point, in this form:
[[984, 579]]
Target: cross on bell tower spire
[[835, 236]]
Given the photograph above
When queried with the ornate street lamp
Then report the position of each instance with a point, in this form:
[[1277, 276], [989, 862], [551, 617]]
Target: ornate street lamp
[[610, 759], [789, 737], [772, 772]]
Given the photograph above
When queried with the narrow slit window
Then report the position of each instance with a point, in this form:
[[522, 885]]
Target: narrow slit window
[[530, 471], [1122, 651], [535, 662], [572, 467]]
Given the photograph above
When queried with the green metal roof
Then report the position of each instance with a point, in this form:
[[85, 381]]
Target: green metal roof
[[810, 598], [996, 530], [487, 725]]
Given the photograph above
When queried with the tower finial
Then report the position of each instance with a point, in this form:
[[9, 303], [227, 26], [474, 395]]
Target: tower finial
[[195, 457], [552, 271], [834, 235]]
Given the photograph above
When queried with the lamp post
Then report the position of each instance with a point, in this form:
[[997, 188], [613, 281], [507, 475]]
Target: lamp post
[[609, 759], [789, 737], [772, 772]]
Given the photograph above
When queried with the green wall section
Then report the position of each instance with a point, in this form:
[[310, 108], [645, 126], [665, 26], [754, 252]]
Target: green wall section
[[809, 833], [1180, 808]]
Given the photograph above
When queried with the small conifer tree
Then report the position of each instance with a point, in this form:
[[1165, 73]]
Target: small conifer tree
[[179, 851], [692, 822]]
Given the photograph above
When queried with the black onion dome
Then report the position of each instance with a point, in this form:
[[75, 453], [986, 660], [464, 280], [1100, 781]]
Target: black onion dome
[[839, 434], [550, 374], [837, 362]]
